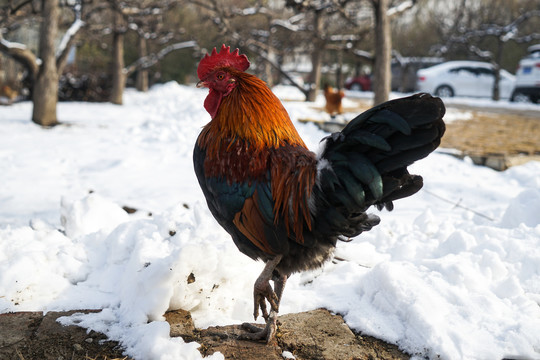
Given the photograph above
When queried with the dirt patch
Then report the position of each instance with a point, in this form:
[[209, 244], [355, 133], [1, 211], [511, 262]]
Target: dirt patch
[[32, 335], [498, 140], [313, 335]]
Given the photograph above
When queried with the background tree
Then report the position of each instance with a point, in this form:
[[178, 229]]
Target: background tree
[[45, 69], [500, 23], [117, 67], [146, 19], [323, 30], [46, 83], [383, 52], [120, 38], [495, 31]]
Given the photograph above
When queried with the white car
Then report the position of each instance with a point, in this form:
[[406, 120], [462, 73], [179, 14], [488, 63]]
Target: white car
[[528, 77], [464, 78]]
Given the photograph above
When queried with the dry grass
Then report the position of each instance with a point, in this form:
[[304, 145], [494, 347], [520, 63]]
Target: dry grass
[[494, 134], [21, 357]]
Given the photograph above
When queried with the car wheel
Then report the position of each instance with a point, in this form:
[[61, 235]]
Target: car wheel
[[520, 97], [356, 87], [444, 91]]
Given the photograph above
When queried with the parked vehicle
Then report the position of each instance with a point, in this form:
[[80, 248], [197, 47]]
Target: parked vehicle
[[464, 78], [404, 71], [528, 77], [358, 83]]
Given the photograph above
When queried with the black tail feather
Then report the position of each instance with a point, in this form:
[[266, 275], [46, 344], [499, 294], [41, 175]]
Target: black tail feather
[[367, 162]]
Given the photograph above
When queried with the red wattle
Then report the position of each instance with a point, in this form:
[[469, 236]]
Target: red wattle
[[212, 102]]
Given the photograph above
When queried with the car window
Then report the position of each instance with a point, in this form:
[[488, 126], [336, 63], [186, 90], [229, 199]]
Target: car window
[[485, 72], [463, 70], [471, 70], [534, 55]]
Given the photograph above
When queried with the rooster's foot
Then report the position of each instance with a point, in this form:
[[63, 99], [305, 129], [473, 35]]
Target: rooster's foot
[[256, 333]]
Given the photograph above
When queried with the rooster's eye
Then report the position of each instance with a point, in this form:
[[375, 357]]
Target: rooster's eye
[[220, 76]]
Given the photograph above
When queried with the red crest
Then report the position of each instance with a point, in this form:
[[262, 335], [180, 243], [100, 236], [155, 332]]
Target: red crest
[[223, 58]]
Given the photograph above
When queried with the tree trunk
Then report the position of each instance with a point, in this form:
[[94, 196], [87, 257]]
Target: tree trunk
[[141, 82], [267, 66], [339, 70], [316, 57], [118, 77], [45, 92], [497, 69], [383, 48]]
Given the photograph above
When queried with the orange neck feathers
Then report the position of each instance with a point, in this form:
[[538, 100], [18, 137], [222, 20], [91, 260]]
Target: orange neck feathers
[[251, 113]]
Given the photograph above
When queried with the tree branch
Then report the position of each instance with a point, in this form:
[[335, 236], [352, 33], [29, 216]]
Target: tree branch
[[22, 55], [69, 38], [152, 59], [401, 8], [256, 47]]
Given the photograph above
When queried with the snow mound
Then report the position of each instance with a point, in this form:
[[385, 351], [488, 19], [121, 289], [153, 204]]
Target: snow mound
[[91, 214], [523, 209]]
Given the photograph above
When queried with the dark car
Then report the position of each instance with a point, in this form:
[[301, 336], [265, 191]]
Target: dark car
[[358, 83]]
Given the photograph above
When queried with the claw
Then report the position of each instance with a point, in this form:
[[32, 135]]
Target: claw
[[256, 334], [259, 302], [262, 292]]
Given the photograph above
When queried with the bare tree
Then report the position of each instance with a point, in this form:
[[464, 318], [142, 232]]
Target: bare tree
[[145, 19], [354, 24], [313, 24], [485, 28], [259, 37], [46, 86], [43, 71], [117, 67], [141, 82], [383, 52]]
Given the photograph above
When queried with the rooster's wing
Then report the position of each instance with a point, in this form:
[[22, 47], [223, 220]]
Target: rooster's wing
[[262, 225]]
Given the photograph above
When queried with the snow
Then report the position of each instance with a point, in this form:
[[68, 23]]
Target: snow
[[405, 5], [434, 278], [12, 45], [71, 32]]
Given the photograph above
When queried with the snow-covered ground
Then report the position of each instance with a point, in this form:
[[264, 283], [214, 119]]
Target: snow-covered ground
[[436, 279]]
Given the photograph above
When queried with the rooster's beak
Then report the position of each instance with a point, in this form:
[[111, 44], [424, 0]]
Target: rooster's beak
[[201, 84]]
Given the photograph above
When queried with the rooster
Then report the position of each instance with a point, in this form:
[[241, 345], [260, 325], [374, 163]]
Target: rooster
[[333, 100], [282, 203]]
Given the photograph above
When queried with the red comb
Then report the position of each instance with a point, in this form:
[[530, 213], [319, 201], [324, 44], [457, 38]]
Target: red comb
[[223, 58]]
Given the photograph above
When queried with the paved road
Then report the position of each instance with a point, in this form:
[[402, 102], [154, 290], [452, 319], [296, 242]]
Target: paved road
[[532, 111]]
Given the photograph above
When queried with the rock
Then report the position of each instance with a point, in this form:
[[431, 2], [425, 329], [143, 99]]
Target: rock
[[313, 335], [181, 324], [318, 334]]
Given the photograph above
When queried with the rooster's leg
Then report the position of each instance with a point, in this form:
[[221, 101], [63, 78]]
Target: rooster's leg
[[279, 286], [263, 291]]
